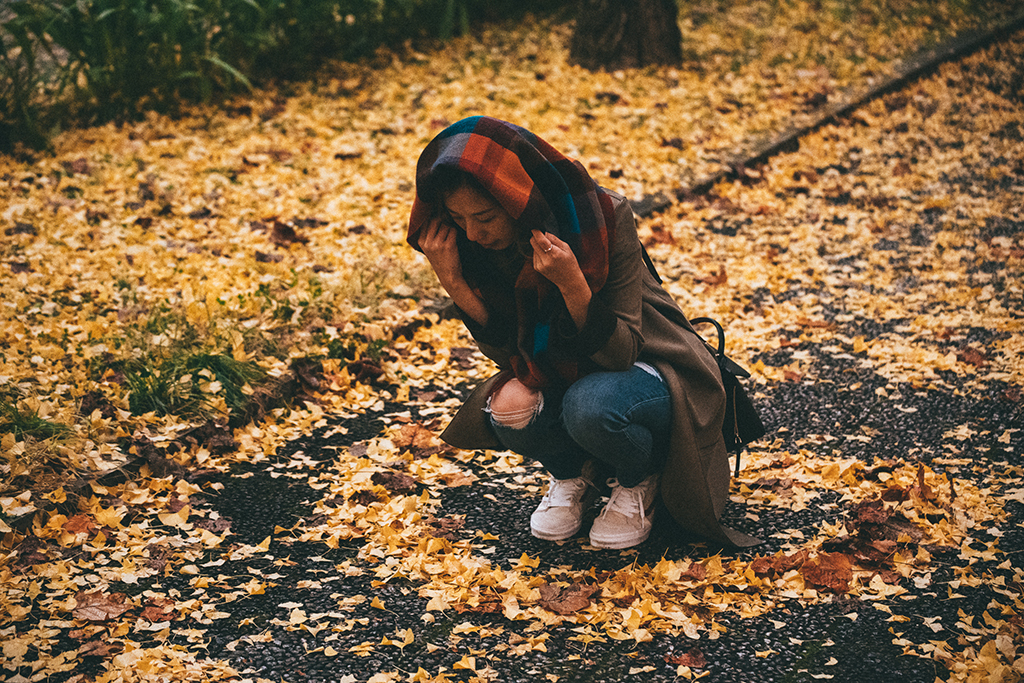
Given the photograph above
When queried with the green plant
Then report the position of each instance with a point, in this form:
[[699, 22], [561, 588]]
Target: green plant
[[170, 366], [19, 81], [13, 421], [454, 19], [186, 384], [123, 55]]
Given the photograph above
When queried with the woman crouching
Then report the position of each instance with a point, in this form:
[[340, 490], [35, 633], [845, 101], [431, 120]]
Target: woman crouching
[[597, 361]]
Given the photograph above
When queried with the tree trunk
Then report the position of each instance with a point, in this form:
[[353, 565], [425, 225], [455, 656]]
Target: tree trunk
[[624, 34]]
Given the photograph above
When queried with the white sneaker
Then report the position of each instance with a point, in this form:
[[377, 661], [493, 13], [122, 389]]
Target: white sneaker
[[626, 519], [560, 512]]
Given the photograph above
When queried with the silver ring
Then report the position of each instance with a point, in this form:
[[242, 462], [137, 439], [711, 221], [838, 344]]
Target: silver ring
[[547, 250]]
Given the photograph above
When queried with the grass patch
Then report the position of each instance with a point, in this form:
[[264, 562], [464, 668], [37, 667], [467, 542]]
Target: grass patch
[[194, 385], [171, 366], [28, 439], [28, 424]]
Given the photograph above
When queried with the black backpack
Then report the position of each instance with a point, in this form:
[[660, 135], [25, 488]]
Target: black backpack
[[742, 424]]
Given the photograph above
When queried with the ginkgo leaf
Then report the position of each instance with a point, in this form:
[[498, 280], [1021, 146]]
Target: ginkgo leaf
[[466, 662]]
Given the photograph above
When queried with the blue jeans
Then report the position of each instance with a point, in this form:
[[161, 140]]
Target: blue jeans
[[621, 419]]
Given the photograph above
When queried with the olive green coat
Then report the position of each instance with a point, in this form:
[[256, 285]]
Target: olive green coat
[[650, 327]]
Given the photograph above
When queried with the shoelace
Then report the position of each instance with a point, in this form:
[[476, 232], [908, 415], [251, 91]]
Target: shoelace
[[628, 501], [563, 492]]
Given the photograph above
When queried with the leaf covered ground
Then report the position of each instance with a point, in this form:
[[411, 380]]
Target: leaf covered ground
[[220, 309]]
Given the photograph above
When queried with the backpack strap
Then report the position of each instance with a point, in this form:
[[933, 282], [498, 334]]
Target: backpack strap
[[742, 423], [649, 263], [736, 400]]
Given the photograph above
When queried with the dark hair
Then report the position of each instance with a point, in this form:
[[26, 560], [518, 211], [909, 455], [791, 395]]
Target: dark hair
[[446, 180]]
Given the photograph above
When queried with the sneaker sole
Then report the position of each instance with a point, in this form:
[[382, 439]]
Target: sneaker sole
[[620, 544], [544, 536]]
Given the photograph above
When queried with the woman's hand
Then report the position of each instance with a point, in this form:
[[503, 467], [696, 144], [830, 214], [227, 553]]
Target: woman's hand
[[553, 259], [439, 245]]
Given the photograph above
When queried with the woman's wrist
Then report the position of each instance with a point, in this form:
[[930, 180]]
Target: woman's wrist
[[467, 300], [577, 300]]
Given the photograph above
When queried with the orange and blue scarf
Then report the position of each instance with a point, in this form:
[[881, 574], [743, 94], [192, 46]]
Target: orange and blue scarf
[[541, 189]]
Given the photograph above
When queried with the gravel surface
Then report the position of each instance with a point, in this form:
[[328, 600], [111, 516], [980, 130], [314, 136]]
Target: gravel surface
[[805, 642], [848, 640]]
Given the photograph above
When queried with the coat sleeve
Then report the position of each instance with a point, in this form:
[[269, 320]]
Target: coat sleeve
[[489, 338], [611, 335]]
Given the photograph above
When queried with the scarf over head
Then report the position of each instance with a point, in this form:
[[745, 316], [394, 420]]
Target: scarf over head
[[540, 189]]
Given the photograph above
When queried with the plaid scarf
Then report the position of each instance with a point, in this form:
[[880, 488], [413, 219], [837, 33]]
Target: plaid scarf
[[541, 189]]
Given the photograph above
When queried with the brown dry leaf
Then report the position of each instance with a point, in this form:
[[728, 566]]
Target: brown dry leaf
[[874, 520], [484, 607], [972, 356], [159, 609], [100, 648], [216, 526], [865, 550], [365, 370], [284, 235], [816, 324], [463, 356], [871, 512], [567, 600], [901, 168], [780, 485], [692, 658], [922, 489], [876, 552], [415, 437], [890, 577], [695, 572], [778, 564], [660, 235], [895, 494], [263, 257], [80, 524], [763, 566], [98, 606], [78, 166], [445, 527], [364, 497], [784, 563], [715, 279], [396, 482], [175, 504], [833, 571]]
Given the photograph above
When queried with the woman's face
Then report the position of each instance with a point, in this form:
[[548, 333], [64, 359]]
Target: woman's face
[[484, 220]]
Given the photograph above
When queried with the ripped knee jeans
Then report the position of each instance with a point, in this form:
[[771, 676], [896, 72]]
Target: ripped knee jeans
[[621, 419]]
